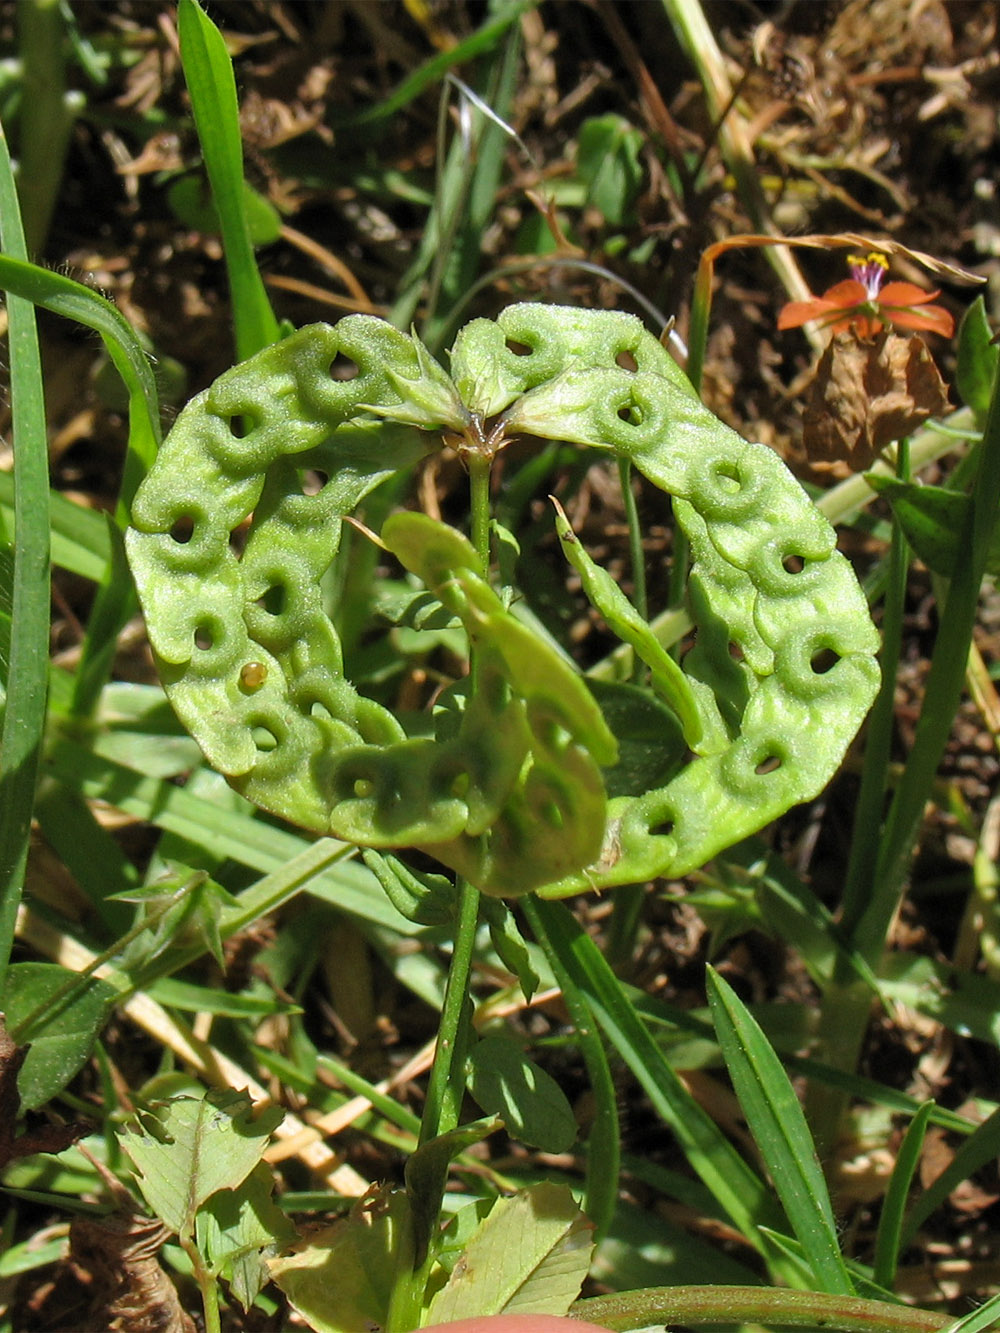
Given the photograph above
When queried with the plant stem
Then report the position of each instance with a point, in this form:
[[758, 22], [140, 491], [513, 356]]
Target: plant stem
[[441, 1107], [753, 1305], [479, 505]]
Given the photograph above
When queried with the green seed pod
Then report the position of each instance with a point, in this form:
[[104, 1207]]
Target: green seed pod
[[510, 791]]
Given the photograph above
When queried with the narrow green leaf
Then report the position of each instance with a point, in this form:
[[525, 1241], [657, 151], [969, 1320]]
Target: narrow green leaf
[[79, 536], [73, 301], [249, 841], [890, 1223], [600, 1198], [983, 1320], [431, 72], [209, 74], [601, 589], [979, 1148], [780, 1131], [747, 1201], [24, 715]]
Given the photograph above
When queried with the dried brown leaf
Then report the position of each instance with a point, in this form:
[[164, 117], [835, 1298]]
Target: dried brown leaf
[[131, 1292], [867, 395]]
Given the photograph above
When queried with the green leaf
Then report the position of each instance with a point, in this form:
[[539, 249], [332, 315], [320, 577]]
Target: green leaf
[[60, 1014], [982, 1146], [890, 1222], [668, 679], [340, 1280], [779, 1128], [740, 1192], [607, 160], [189, 1147], [529, 1256], [191, 201], [235, 1226], [505, 1082], [209, 74], [509, 944], [26, 632], [651, 745], [982, 1320], [424, 898], [932, 519], [977, 359]]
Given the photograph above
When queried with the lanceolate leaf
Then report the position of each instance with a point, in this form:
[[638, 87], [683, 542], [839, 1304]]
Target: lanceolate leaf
[[778, 1125]]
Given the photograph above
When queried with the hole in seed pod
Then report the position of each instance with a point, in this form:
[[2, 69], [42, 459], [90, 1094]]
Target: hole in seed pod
[[518, 349], [273, 601], [183, 529], [312, 480], [769, 764], [626, 360], [363, 788], [735, 650], [824, 660], [264, 739], [253, 675], [204, 638], [792, 563], [314, 708], [727, 476], [343, 368], [664, 829], [240, 425], [631, 414]]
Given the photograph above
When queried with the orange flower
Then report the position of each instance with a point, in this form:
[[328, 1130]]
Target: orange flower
[[860, 303]]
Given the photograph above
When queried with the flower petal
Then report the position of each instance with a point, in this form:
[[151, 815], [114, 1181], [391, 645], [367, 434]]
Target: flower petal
[[905, 293], [847, 293], [796, 313], [933, 318]]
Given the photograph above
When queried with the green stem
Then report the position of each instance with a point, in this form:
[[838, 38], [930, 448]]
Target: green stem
[[635, 552], [441, 1108], [208, 1288], [771, 1307], [479, 504], [860, 878]]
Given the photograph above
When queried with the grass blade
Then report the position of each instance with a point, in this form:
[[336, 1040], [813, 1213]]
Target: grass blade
[[24, 716], [780, 1131], [979, 1148], [747, 1201], [890, 1223], [982, 1320], [604, 1143], [209, 74], [433, 70]]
